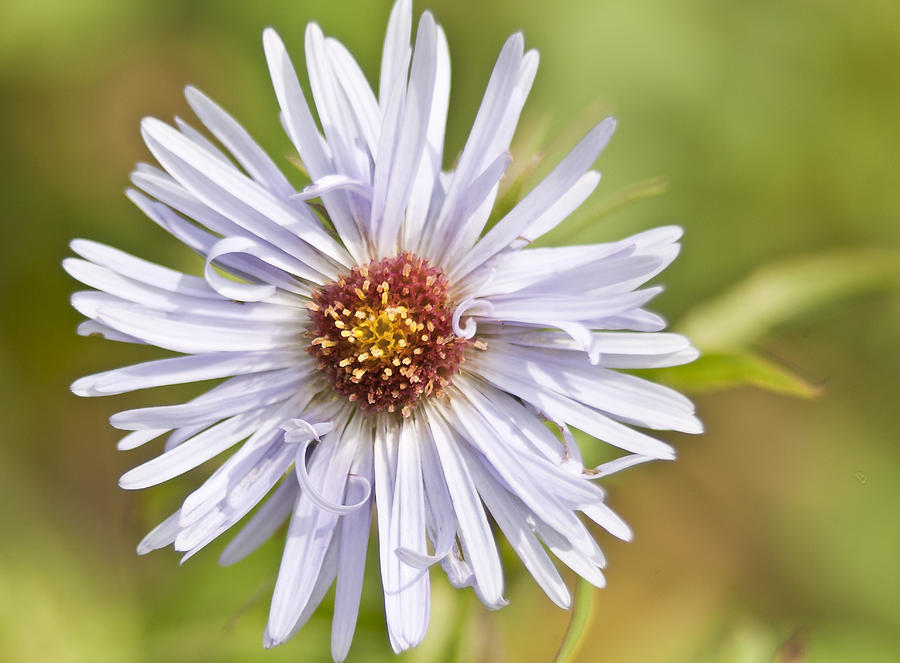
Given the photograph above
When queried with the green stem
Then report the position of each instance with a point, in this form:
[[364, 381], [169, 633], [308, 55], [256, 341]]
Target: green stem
[[581, 613]]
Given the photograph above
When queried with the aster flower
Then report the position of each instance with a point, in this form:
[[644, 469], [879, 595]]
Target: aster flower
[[379, 349]]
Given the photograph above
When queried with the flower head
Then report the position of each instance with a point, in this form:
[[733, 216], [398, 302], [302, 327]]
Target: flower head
[[381, 350], [384, 333]]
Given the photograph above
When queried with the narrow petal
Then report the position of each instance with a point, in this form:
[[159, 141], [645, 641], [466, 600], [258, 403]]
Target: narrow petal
[[324, 578], [408, 612], [479, 150], [396, 47], [242, 200], [142, 270], [302, 130], [411, 140], [354, 541], [261, 389], [310, 532], [233, 136], [180, 370], [539, 200], [194, 452], [477, 539], [575, 414], [263, 525], [516, 530]]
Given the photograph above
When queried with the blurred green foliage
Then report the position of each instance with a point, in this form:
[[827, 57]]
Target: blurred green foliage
[[774, 126]]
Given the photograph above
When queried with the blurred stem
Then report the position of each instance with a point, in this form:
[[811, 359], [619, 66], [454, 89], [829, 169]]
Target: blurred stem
[[581, 612], [460, 647], [638, 191], [787, 289]]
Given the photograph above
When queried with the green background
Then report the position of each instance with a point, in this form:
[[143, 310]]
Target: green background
[[776, 125]]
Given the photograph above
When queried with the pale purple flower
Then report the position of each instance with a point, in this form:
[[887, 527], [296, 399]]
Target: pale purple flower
[[380, 350]]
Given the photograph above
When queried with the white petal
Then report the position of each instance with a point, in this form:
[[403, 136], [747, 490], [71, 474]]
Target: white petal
[[563, 549], [650, 361], [601, 514], [543, 309], [234, 290], [266, 389], [160, 536], [165, 188], [408, 611], [396, 46], [185, 433], [619, 464], [356, 87], [604, 276], [322, 583], [348, 147], [317, 498], [138, 438], [264, 523], [513, 525], [302, 130], [411, 140], [230, 481], [571, 412], [480, 148], [496, 403], [620, 395], [329, 183], [242, 200], [513, 270], [233, 136], [537, 481], [246, 494], [310, 532], [142, 270], [196, 137], [616, 343], [481, 552], [194, 452], [500, 141], [182, 334], [354, 541], [385, 463], [124, 287], [179, 370], [429, 170], [561, 209], [636, 320], [539, 200], [442, 521], [93, 328]]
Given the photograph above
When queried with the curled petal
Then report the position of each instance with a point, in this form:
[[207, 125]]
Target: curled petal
[[298, 430], [315, 496], [243, 292], [329, 183], [419, 560], [470, 307]]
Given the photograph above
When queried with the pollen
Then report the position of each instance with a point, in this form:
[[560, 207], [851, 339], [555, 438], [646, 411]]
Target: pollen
[[366, 332]]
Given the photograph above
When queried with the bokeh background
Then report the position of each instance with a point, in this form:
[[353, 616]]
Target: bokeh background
[[775, 127]]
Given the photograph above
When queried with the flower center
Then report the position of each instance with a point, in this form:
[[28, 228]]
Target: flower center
[[383, 333]]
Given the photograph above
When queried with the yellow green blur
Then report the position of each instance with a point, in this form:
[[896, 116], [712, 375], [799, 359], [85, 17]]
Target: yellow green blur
[[773, 129]]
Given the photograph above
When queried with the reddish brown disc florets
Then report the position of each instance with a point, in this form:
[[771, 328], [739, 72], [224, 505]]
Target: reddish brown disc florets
[[383, 333]]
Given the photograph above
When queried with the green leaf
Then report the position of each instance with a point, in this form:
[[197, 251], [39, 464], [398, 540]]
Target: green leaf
[[723, 370], [788, 289], [581, 613]]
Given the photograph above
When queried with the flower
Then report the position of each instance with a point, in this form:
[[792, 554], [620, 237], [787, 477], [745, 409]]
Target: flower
[[380, 349]]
